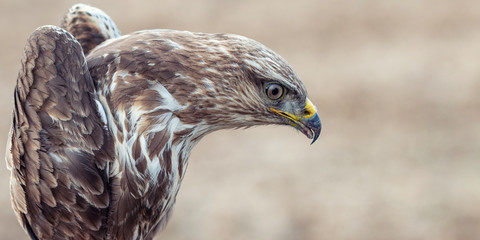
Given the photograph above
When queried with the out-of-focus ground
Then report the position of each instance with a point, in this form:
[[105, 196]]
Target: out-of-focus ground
[[396, 84]]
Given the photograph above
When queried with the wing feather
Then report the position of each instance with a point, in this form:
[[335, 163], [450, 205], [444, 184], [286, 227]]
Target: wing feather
[[90, 26], [58, 144]]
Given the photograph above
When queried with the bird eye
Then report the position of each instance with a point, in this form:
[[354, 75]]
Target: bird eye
[[274, 91]]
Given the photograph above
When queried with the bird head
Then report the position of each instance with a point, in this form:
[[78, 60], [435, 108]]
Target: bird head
[[280, 90], [242, 83], [220, 80]]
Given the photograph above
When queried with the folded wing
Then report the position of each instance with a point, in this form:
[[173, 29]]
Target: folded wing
[[58, 146]]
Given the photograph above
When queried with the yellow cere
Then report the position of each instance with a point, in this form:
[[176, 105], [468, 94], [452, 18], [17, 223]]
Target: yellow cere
[[309, 112], [309, 109]]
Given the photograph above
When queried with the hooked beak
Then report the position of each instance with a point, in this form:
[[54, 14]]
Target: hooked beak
[[308, 123]]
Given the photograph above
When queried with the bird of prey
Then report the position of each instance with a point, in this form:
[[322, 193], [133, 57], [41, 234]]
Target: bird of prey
[[103, 123]]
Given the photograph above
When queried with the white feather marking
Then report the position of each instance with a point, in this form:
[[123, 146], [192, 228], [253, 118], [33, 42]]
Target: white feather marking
[[167, 101], [253, 64], [109, 41], [120, 74], [121, 116], [55, 157], [160, 124], [108, 114], [154, 168], [8, 154], [212, 70], [178, 75], [173, 44], [135, 233], [201, 61], [113, 84], [101, 111], [207, 83], [114, 168], [224, 50], [136, 113], [144, 147]]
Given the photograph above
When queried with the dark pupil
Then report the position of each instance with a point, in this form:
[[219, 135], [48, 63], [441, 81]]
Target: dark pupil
[[275, 91]]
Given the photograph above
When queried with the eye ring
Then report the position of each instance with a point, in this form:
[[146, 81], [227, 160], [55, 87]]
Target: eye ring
[[274, 91]]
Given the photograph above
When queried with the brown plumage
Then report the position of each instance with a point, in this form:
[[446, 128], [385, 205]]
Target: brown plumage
[[99, 144]]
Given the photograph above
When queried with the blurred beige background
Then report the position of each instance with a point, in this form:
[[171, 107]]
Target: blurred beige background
[[396, 84]]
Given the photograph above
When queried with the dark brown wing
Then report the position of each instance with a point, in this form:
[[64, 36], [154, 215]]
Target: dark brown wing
[[58, 155]]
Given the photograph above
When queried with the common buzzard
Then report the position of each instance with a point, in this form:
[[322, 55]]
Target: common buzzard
[[103, 124]]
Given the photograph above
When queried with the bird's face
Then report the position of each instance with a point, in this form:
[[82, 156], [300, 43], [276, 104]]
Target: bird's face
[[284, 101], [256, 86], [289, 108]]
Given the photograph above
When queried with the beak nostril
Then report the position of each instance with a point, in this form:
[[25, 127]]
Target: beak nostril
[[306, 112]]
